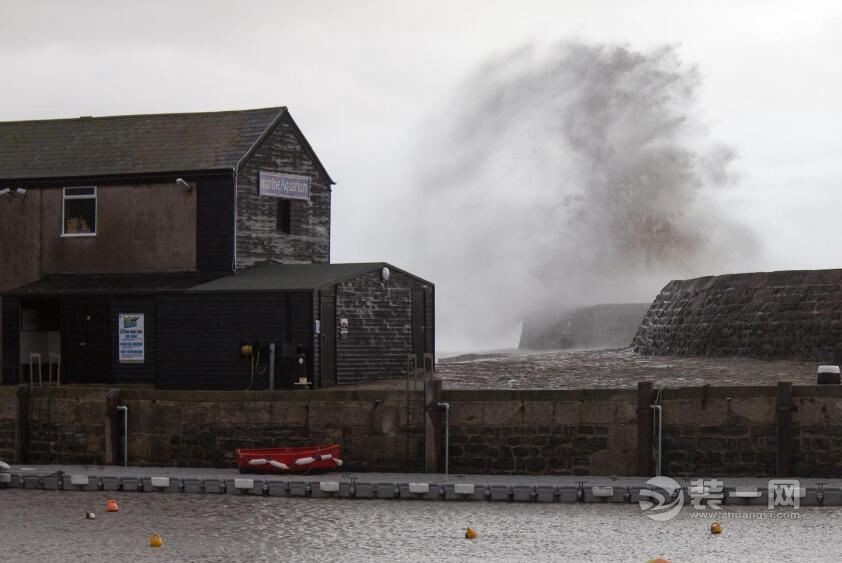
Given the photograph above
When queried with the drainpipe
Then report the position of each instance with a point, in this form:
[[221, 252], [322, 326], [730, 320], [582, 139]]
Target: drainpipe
[[657, 430], [272, 366], [446, 407], [125, 410]]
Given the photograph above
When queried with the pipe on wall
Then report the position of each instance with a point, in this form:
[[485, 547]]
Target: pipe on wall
[[446, 407], [125, 410]]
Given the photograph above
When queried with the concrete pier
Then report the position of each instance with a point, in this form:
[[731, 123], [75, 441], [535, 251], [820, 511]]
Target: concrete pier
[[740, 491]]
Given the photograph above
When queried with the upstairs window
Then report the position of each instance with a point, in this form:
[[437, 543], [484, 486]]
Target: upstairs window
[[79, 212], [284, 225]]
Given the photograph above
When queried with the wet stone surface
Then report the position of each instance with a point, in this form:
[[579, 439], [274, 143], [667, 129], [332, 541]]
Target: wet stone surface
[[613, 369]]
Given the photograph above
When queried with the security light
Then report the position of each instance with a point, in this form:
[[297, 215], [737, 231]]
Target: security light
[[21, 191], [183, 182], [4, 191]]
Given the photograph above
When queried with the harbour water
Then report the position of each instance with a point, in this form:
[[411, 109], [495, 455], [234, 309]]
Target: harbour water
[[51, 526]]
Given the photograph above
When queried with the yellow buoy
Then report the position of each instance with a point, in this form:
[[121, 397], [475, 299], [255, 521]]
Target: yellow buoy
[[470, 534], [716, 528], [155, 541]]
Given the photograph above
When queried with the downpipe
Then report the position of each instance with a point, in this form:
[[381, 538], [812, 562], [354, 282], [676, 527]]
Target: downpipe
[[657, 431], [446, 407], [125, 410]]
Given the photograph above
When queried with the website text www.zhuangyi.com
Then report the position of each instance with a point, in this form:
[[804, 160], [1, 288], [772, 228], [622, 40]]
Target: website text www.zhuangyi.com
[[735, 515]]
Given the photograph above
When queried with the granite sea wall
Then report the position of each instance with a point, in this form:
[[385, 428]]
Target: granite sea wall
[[770, 315], [722, 431]]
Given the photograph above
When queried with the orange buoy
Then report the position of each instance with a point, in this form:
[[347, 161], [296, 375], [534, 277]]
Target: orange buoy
[[155, 540], [111, 505], [470, 534], [659, 560], [716, 528]]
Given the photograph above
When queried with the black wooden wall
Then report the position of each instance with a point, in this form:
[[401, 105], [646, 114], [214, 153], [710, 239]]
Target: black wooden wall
[[380, 326], [199, 336], [11, 340], [215, 224]]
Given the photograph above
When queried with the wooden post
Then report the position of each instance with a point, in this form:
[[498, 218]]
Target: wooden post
[[113, 428], [644, 428], [23, 423], [783, 457], [432, 426]]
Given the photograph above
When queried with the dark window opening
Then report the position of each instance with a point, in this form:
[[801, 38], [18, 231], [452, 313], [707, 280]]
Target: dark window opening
[[79, 213], [284, 216]]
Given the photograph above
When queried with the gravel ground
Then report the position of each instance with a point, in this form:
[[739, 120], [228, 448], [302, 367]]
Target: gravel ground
[[611, 369]]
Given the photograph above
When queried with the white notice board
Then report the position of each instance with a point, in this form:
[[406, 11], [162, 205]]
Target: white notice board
[[130, 341]]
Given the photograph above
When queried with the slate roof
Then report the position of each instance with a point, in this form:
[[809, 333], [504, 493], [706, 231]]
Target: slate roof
[[131, 144], [111, 284], [264, 277], [287, 277]]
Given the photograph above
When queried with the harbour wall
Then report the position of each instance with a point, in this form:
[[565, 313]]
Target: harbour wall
[[769, 315], [722, 431]]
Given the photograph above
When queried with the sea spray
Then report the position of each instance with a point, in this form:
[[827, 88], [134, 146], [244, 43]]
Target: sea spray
[[570, 175]]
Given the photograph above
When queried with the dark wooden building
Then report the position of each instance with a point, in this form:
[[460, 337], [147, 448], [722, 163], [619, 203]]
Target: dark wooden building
[[189, 251]]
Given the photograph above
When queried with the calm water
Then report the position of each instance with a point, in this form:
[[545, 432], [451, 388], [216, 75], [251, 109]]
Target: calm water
[[50, 526]]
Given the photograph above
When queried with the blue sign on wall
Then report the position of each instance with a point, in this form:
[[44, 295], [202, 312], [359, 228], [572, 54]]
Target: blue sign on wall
[[287, 186]]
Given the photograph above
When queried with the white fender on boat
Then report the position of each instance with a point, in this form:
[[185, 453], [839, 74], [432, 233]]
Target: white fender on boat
[[279, 465], [304, 460], [4, 467], [258, 461], [325, 457], [337, 461]]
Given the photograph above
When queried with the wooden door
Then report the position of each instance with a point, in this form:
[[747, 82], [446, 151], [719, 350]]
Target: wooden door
[[86, 342]]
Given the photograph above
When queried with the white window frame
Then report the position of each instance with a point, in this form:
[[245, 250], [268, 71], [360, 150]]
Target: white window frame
[[65, 197]]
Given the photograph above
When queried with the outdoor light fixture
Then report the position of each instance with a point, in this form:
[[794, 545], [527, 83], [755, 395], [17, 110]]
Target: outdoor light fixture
[[21, 191], [183, 182], [385, 273], [4, 191]]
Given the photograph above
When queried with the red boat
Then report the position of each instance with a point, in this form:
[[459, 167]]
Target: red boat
[[309, 459]]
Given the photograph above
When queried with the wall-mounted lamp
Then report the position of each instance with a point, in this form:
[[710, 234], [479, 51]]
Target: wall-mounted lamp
[[5, 191], [385, 274], [185, 184], [21, 191]]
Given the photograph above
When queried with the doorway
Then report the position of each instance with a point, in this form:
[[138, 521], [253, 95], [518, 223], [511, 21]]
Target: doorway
[[86, 342]]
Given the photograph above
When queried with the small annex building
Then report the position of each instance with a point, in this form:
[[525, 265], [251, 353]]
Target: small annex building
[[189, 251]]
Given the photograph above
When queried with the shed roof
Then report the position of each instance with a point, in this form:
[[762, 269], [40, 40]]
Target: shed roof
[[134, 144], [264, 277], [287, 277], [111, 284]]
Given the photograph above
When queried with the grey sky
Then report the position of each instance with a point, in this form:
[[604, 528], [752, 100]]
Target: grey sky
[[364, 81]]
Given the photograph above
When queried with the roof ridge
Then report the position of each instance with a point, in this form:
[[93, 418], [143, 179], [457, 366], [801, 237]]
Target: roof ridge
[[279, 109]]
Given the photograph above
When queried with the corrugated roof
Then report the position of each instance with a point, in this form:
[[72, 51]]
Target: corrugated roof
[[112, 284], [130, 144], [287, 277]]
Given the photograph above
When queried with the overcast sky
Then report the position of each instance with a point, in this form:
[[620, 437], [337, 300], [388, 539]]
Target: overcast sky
[[364, 81]]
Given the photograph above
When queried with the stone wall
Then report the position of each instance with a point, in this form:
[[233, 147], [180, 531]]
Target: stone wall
[[727, 431], [543, 432], [375, 430], [786, 315], [67, 425], [719, 431], [8, 417], [817, 420]]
